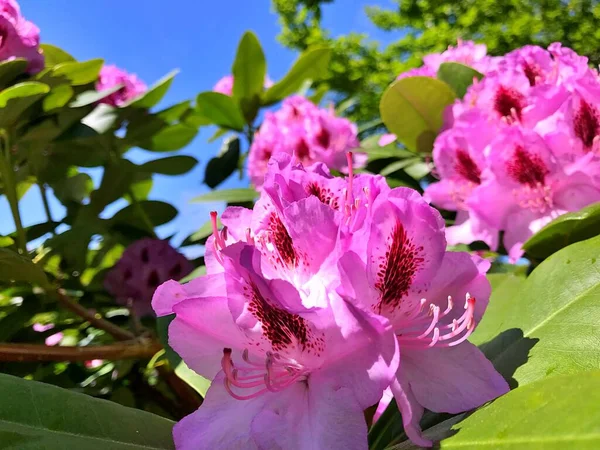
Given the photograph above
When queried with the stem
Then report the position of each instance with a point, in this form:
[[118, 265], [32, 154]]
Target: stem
[[44, 195], [93, 318], [134, 349], [10, 190]]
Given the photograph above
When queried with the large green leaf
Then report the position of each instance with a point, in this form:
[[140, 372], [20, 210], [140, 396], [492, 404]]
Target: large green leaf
[[224, 164], [35, 416], [116, 179], [58, 97], [199, 383], [54, 55], [565, 230], [412, 108], [155, 94], [458, 76], [220, 109], [171, 165], [249, 71], [553, 414], [548, 324], [157, 212], [9, 70], [311, 65], [15, 267], [170, 138], [227, 195], [16, 99], [78, 73]]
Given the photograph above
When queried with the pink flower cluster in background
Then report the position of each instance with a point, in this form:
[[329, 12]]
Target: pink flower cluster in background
[[144, 265], [225, 85], [111, 76], [521, 148], [19, 38], [309, 133], [327, 293]]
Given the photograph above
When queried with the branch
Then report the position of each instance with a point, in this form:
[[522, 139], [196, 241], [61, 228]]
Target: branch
[[134, 349], [117, 332]]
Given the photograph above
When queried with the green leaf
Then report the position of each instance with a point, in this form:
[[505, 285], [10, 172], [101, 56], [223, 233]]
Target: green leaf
[[552, 322], [58, 97], [158, 213], [35, 416], [78, 73], [115, 181], [199, 237], [173, 113], [565, 230], [412, 108], [14, 267], [171, 165], [199, 383], [92, 97], [102, 119], [75, 188], [155, 94], [458, 76], [313, 64], [54, 55], [170, 138], [556, 413], [398, 165], [16, 99], [220, 109], [249, 71], [224, 164], [162, 330], [10, 70], [227, 195]]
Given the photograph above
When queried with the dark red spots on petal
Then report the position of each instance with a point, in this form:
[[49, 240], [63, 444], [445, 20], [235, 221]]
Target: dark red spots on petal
[[323, 194], [398, 267], [466, 167], [527, 168], [324, 138], [282, 328], [282, 241], [532, 72], [507, 100], [586, 124], [302, 150], [267, 153]]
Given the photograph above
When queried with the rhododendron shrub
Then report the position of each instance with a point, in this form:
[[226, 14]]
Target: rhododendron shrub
[[339, 296]]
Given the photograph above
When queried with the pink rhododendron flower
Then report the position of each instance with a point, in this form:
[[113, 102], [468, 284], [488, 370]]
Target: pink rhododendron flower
[[225, 85], [144, 265], [521, 148], [309, 302], [309, 133], [93, 364], [19, 37], [110, 76], [41, 328], [386, 139], [54, 339]]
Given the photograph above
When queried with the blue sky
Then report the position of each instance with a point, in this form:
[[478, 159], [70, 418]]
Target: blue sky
[[152, 37]]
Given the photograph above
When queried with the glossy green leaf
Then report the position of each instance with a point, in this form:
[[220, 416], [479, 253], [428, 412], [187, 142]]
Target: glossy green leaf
[[553, 414], [10, 70], [58, 97], [15, 267], [311, 65], [227, 195], [75, 188], [174, 112], [249, 71], [102, 119], [155, 93], [16, 99], [116, 179], [79, 73], [565, 230], [549, 325], [170, 138], [458, 76], [224, 164], [220, 109], [199, 383], [93, 97], [171, 165], [157, 212], [199, 237], [54, 55], [35, 416], [412, 108], [162, 330]]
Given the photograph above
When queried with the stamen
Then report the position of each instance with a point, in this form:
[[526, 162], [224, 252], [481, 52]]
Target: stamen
[[349, 192], [219, 242]]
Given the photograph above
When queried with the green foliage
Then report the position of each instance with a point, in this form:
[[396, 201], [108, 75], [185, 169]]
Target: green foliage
[[458, 76], [228, 195], [362, 69], [224, 164]]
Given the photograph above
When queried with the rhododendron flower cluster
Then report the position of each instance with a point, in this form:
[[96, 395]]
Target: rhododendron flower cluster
[[309, 133], [111, 76], [144, 265], [521, 148], [19, 38], [325, 294], [225, 85]]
